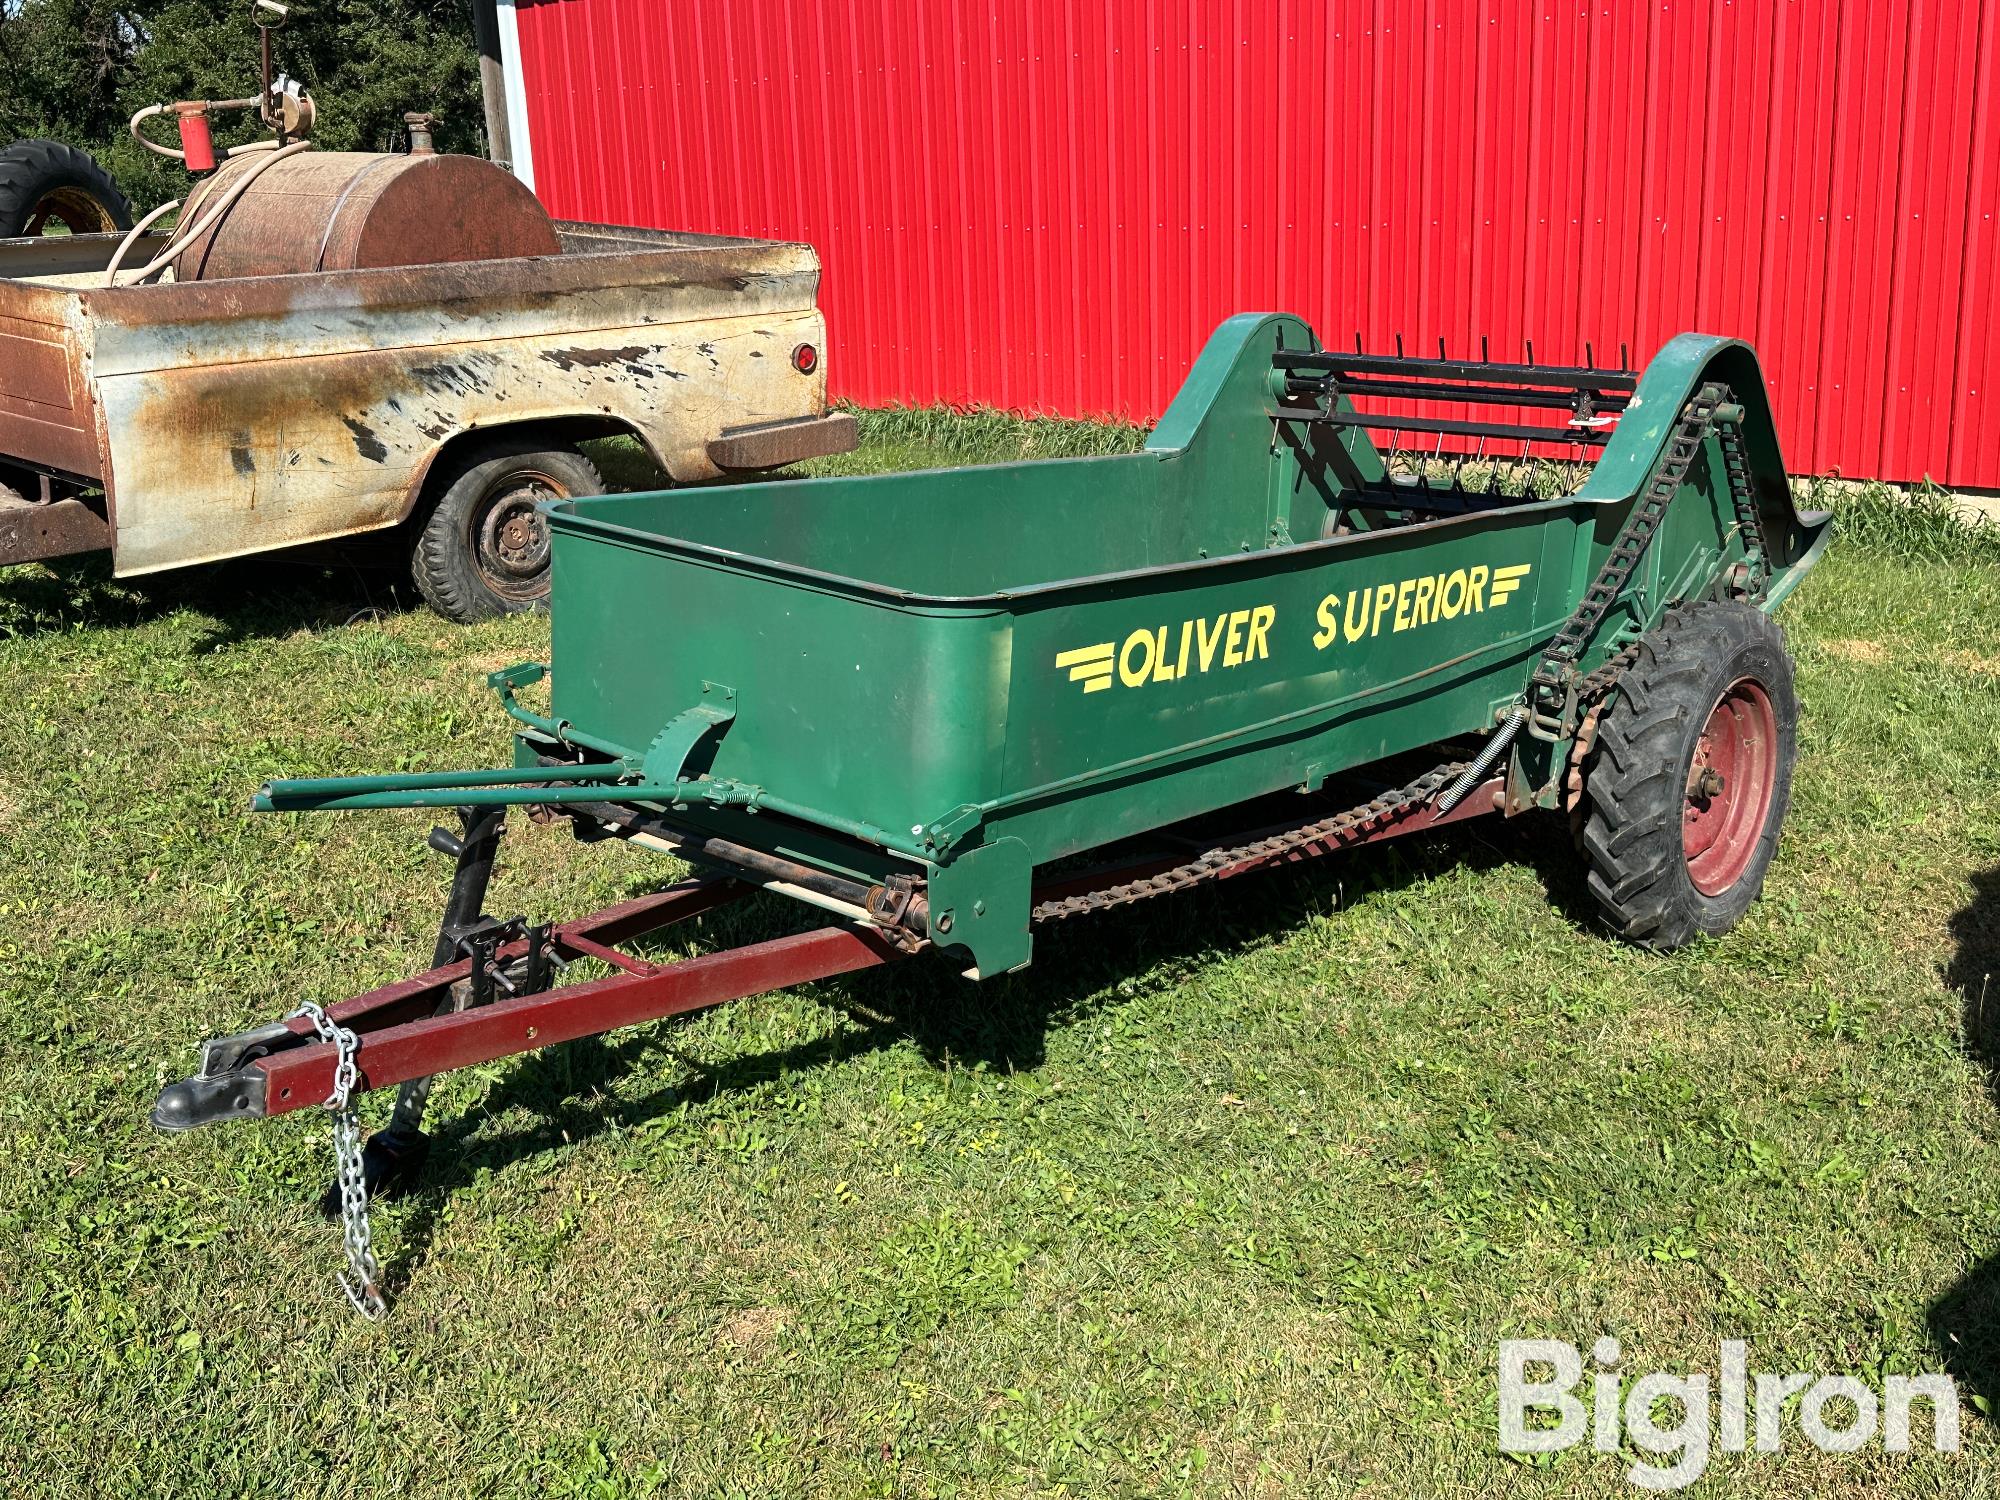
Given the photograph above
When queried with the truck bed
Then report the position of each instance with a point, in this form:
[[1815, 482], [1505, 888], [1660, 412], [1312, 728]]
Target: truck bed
[[226, 417]]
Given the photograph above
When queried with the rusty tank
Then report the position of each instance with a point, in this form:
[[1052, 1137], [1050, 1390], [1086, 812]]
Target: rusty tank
[[351, 210]]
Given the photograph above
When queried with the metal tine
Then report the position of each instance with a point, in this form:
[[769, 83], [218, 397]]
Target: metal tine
[[1437, 449], [1396, 440], [1528, 491]]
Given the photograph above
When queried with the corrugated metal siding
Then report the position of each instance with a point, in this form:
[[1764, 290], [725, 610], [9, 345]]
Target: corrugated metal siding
[[1048, 204]]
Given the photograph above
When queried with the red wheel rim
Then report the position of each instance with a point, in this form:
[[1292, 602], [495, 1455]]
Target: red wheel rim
[[1729, 787]]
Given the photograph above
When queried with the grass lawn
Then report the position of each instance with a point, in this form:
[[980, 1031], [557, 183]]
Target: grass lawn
[[1230, 1194]]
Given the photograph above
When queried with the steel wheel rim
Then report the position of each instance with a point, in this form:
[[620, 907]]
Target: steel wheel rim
[[1731, 780], [74, 209], [511, 536]]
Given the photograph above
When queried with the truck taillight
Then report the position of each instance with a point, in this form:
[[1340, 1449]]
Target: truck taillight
[[805, 359]]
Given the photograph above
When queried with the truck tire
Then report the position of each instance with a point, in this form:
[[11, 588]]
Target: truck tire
[[482, 549], [1691, 774], [46, 182]]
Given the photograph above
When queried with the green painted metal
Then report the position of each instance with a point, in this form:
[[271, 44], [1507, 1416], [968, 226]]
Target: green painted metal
[[976, 671]]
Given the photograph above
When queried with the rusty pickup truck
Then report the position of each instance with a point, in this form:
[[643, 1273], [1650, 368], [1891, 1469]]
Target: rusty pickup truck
[[185, 422]]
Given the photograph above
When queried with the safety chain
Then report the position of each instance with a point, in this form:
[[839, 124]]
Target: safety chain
[[360, 1280], [1207, 866], [1552, 691]]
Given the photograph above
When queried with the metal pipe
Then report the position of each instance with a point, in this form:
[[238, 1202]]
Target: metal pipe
[[336, 786], [809, 894], [425, 791], [1572, 376], [307, 796], [561, 730]]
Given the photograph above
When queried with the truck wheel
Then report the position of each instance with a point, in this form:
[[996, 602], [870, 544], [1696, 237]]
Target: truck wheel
[[45, 183], [1691, 775], [483, 549]]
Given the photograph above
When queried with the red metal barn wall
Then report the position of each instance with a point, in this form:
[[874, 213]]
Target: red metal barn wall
[[1048, 204]]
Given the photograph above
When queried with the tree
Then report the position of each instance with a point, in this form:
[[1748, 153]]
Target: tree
[[76, 71]]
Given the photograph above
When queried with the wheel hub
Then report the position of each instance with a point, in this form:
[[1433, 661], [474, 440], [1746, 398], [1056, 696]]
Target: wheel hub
[[1729, 786], [513, 535]]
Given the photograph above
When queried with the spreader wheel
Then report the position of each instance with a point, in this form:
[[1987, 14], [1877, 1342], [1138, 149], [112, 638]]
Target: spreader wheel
[[1691, 774]]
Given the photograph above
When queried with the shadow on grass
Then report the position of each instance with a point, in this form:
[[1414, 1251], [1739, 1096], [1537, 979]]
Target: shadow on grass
[[253, 598], [1965, 1321], [1081, 968]]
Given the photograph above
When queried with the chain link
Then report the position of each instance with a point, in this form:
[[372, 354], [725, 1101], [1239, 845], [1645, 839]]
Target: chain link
[[1554, 690], [1209, 865], [1743, 493], [361, 1279]]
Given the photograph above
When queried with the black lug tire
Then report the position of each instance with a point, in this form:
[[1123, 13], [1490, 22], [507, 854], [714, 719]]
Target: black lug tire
[[31, 170], [1636, 781], [445, 559]]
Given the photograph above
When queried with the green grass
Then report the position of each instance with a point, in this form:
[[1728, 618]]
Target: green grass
[[1232, 1194]]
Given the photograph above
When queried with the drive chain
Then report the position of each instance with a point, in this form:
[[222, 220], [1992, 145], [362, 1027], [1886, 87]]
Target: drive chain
[[1367, 816]]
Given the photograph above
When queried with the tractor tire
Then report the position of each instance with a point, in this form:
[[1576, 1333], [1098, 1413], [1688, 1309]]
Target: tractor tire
[[482, 549], [1689, 779], [46, 182]]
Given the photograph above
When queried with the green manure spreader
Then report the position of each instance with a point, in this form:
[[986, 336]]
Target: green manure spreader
[[1337, 598]]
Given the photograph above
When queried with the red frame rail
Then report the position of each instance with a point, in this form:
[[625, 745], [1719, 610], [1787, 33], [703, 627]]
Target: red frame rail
[[410, 1030]]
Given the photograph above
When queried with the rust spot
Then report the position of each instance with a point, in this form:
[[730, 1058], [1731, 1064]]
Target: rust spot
[[445, 379], [366, 443], [591, 359]]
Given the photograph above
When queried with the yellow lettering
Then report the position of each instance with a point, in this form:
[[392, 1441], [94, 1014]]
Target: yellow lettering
[[1329, 622], [1163, 670], [1130, 675], [1420, 614], [1450, 603], [1475, 586], [1403, 603], [1355, 625], [1260, 627], [1187, 634], [1384, 595], [1208, 642], [1232, 648]]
